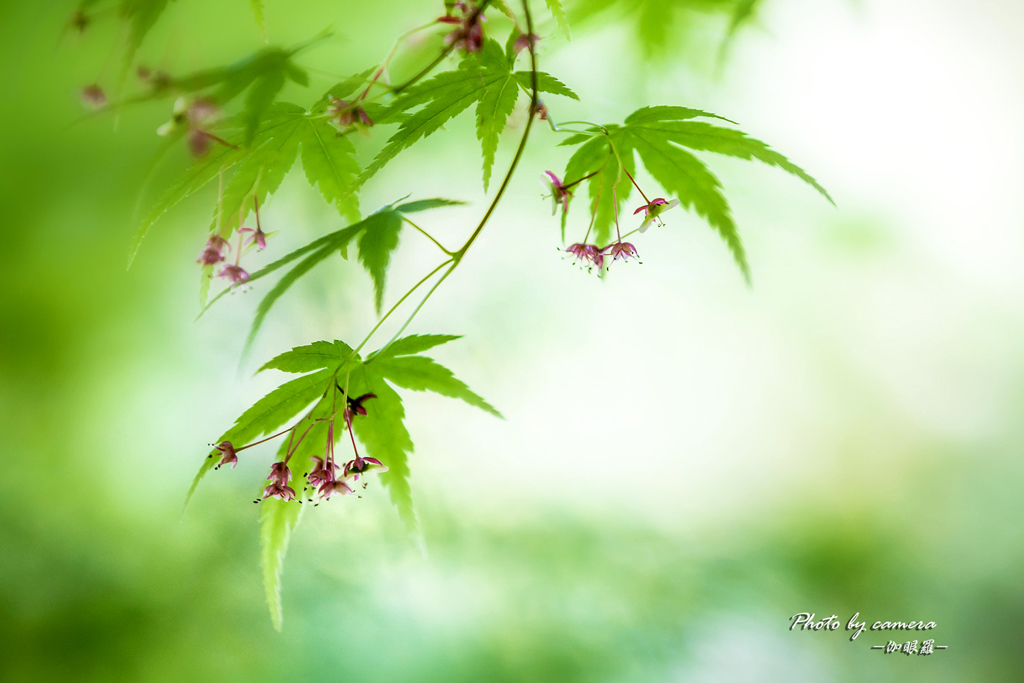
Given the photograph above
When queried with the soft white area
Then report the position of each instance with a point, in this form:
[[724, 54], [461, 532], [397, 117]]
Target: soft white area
[[670, 391]]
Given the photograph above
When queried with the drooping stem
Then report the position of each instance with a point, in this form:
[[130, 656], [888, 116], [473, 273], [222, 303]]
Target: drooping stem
[[219, 139], [632, 181], [257, 443], [556, 127], [522, 143], [615, 203], [593, 216], [348, 421], [395, 307], [427, 235], [586, 177], [291, 450], [420, 305]]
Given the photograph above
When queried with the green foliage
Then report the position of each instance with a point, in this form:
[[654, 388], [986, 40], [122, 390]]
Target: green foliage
[[663, 27], [266, 415], [382, 430], [329, 160], [258, 172], [420, 373], [660, 136], [315, 356], [261, 95], [558, 12], [332, 366], [742, 13], [376, 243], [426, 204], [331, 244], [277, 521], [378, 237], [257, 15], [492, 112], [224, 83], [142, 15], [259, 145], [416, 343], [195, 177], [486, 80]]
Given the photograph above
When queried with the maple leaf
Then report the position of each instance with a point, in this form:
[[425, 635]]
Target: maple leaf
[[328, 366], [377, 239], [660, 136], [485, 79]]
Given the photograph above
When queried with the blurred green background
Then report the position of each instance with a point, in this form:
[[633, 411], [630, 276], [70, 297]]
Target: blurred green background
[[685, 463]]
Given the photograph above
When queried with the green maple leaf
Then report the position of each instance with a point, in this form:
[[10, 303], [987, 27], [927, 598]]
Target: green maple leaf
[[269, 413], [486, 79], [661, 137], [382, 431], [558, 12], [420, 373], [329, 160], [330, 367], [377, 239], [194, 178], [278, 520], [285, 133], [142, 16], [259, 171], [257, 15]]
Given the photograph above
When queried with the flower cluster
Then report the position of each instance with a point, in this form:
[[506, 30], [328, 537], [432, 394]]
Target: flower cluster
[[595, 255], [326, 478], [216, 248], [592, 255], [278, 487], [469, 36], [214, 251]]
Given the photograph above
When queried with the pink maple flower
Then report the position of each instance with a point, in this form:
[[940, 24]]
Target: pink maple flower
[[524, 41], [653, 211], [322, 472], [469, 36], [228, 454], [587, 253], [345, 114], [258, 237], [276, 490], [213, 252], [623, 250], [235, 273], [355, 405], [329, 488], [280, 474], [560, 194], [363, 466]]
